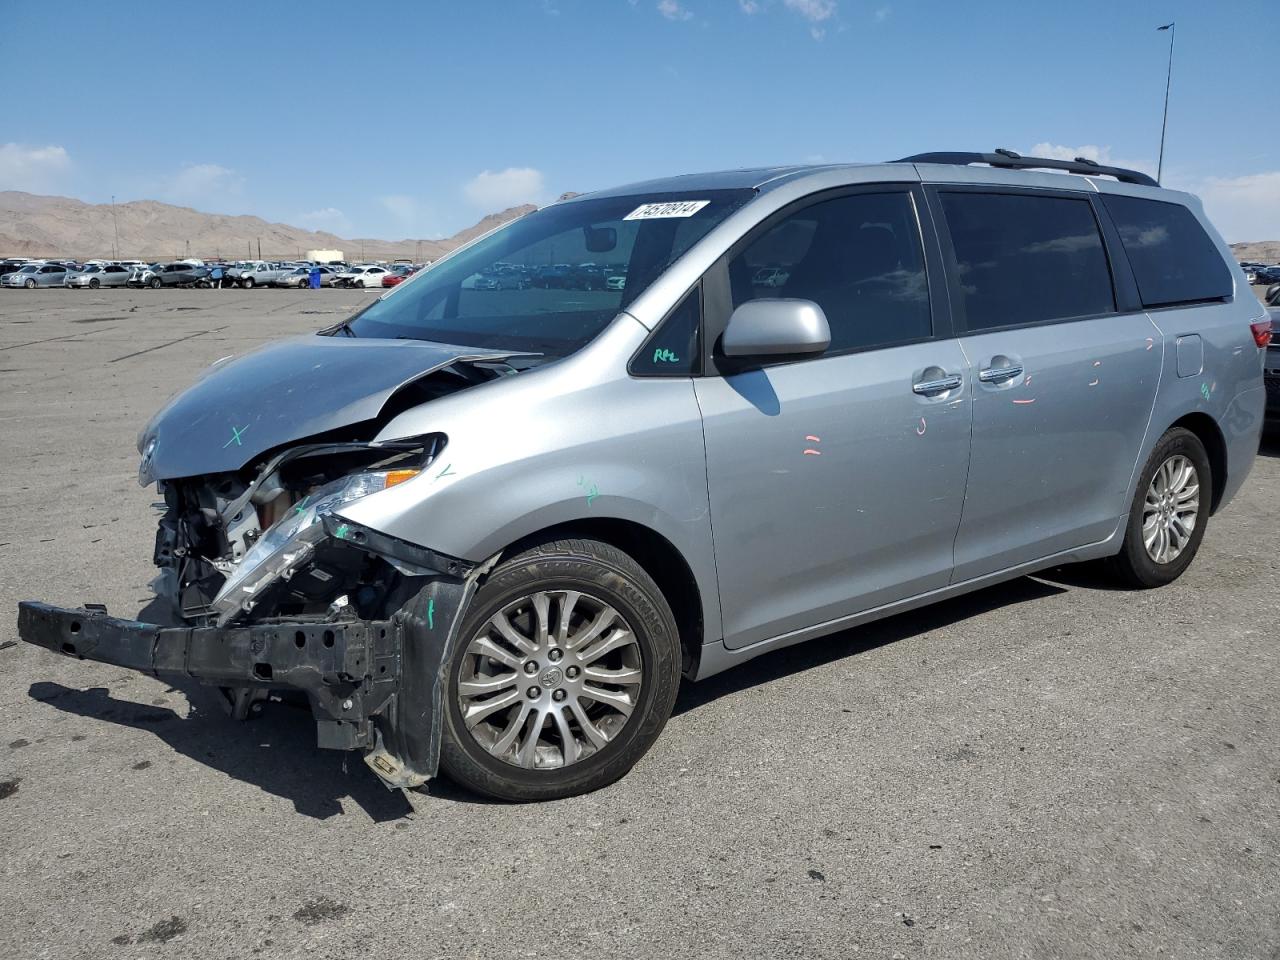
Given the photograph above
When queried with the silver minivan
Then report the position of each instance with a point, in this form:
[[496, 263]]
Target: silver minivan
[[489, 531]]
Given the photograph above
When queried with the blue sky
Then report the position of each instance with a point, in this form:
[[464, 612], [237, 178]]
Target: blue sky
[[406, 119]]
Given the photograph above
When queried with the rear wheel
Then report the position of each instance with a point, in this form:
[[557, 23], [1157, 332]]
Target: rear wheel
[[566, 670], [1168, 515]]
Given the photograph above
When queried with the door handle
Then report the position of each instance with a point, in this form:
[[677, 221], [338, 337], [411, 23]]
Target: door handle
[[926, 387], [1000, 374]]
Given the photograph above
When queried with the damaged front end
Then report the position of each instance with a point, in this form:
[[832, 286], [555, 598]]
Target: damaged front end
[[268, 587]]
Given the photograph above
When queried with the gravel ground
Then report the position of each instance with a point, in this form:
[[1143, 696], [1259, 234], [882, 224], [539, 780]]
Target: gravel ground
[[1049, 768]]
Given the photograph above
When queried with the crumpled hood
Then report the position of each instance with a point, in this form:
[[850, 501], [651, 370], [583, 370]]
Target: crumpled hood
[[283, 392]]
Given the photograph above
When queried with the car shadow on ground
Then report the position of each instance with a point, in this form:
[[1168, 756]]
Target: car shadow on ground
[[1270, 445], [849, 643], [275, 751]]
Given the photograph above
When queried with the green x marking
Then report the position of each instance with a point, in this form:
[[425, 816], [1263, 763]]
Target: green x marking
[[236, 434]]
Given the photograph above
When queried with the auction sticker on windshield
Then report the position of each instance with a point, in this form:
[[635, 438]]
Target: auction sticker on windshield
[[659, 211]]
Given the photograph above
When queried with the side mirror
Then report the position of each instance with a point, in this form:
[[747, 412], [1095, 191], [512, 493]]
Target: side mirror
[[775, 329]]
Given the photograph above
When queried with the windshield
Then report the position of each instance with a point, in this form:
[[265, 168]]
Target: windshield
[[91, 268], [29, 270], [540, 283]]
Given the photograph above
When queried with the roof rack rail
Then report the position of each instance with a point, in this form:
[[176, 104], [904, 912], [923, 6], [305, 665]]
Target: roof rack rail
[[1009, 160]]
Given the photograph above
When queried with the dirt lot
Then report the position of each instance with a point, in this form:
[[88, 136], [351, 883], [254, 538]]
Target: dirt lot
[[1049, 768]]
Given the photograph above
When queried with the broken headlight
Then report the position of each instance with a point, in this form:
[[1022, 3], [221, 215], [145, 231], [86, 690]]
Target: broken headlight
[[291, 541]]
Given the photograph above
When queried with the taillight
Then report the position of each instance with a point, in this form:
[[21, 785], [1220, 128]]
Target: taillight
[[1261, 333]]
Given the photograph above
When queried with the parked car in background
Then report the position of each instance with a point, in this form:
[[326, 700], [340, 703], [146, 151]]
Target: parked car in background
[[301, 277], [259, 274], [94, 275], [12, 264], [486, 281], [1271, 368], [1267, 275], [615, 281], [361, 275], [176, 274], [770, 277], [397, 275], [32, 275]]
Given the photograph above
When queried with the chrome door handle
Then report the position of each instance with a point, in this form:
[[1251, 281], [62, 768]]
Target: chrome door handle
[[999, 374], [925, 387]]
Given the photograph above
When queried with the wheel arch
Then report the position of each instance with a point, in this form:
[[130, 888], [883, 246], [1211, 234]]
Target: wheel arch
[[658, 557], [1210, 436]]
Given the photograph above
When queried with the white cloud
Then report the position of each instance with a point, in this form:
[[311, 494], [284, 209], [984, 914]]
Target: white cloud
[[493, 192], [34, 169], [672, 10], [812, 10], [882, 14], [1243, 208], [749, 7], [326, 218], [817, 33], [202, 185], [1054, 151]]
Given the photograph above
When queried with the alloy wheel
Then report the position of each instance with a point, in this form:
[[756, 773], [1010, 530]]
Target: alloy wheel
[[550, 679], [1171, 509]]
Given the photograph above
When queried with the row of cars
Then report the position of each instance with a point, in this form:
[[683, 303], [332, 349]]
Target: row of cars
[[1261, 272], [93, 274]]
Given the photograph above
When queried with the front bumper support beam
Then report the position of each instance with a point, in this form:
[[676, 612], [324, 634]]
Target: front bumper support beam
[[349, 670]]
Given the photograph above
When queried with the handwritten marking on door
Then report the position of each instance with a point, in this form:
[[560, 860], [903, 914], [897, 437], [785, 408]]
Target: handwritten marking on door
[[920, 430], [810, 451]]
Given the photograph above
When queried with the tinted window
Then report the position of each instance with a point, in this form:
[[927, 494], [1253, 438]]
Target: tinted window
[[858, 257], [1173, 259], [1027, 259], [675, 349]]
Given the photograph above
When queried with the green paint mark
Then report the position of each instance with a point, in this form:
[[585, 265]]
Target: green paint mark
[[663, 355], [236, 434], [448, 471], [592, 494], [431, 614], [301, 504], [1204, 390], [342, 531]]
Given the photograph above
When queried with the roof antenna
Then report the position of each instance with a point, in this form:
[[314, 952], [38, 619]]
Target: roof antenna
[[1008, 153]]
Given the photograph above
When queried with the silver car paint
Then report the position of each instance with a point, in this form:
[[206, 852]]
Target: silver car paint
[[580, 439], [283, 392]]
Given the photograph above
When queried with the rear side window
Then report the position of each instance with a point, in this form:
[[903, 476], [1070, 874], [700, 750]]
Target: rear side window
[[1025, 259], [858, 257], [1173, 259]]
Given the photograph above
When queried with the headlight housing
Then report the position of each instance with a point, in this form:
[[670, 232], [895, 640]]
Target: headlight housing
[[291, 541]]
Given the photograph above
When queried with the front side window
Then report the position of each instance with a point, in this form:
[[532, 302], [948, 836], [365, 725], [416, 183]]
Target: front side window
[[1025, 259], [858, 257], [1173, 259], [543, 283]]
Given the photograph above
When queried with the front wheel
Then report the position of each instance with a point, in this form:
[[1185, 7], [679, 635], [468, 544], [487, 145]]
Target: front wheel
[[565, 672], [94, 283], [155, 283], [247, 283], [1168, 515], [30, 284]]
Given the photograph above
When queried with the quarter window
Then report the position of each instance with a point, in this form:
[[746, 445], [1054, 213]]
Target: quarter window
[[858, 257], [675, 348], [1025, 259], [1173, 259]]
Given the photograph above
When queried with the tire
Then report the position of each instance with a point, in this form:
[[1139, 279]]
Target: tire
[[94, 283], [1134, 565], [155, 283], [30, 284], [1273, 295], [604, 576], [247, 283]]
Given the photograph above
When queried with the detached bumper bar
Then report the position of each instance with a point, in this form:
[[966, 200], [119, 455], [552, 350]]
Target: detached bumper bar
[[350, 671]]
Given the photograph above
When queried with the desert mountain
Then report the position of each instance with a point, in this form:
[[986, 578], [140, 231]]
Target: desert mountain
[[36, 226], [1257, 251]]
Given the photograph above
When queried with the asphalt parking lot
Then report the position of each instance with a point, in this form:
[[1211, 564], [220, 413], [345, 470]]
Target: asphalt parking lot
[[1049, 768]]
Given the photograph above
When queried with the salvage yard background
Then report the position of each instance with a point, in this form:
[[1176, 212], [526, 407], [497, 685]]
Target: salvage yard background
[[1049, 767]]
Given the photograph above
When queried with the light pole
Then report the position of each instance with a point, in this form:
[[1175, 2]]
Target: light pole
[[1168, 79], [115, 249]]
